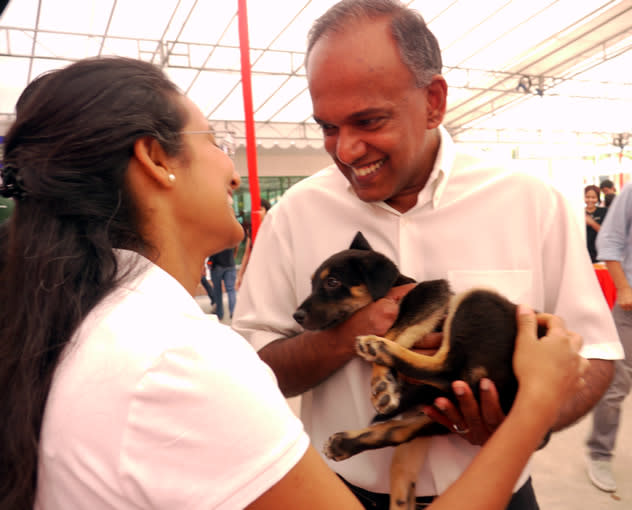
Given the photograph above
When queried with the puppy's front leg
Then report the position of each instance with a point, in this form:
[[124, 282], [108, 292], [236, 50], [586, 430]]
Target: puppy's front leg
[[407, 461], [387, 353]]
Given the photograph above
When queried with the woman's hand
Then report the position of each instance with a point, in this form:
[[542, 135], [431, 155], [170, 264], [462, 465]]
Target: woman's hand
[[592, 223], [549, 370]]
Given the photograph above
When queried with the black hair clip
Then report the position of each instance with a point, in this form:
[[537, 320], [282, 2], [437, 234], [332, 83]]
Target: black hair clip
[[11, 186]]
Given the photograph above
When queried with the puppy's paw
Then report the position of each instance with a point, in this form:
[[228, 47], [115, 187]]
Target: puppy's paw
[[373, 348], [385, 393], [336, 447]]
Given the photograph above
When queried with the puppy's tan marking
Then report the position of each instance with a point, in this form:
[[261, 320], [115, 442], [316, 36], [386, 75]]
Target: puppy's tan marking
[[360, 291], [407, 336], [478, 373]]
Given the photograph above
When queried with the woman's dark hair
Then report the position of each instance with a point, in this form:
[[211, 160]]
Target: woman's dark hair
[[418, 47], [67, 154], [592, 187]]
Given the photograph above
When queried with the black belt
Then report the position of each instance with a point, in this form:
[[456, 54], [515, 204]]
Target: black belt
[[523, 499], [378, 501]]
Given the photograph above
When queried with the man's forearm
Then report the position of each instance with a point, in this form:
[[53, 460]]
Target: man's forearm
[[303, 361], [597, 377], [617, 274]]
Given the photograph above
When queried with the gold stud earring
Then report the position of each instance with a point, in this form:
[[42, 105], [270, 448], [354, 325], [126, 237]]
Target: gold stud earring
[[171, 177]]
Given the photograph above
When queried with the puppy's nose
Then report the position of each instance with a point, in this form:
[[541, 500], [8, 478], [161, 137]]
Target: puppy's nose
[[299, 316]]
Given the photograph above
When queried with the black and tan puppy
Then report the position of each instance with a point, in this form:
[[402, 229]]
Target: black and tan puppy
[[346, 282], [479, 329]]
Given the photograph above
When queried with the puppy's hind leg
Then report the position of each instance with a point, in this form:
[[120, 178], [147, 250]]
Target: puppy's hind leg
[[407, 461], [385, 389]]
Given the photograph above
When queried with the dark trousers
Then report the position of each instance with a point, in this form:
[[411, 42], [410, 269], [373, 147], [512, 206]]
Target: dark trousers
[[523, 499], [228, 275], [208, 288]]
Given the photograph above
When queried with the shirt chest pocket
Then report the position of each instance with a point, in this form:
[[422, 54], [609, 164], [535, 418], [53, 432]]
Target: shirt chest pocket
[[515, 285]]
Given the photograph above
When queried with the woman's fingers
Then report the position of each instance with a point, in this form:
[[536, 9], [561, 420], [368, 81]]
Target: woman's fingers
[[549, 370]]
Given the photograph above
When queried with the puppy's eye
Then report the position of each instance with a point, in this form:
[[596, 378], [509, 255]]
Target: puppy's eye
[[332, 283]]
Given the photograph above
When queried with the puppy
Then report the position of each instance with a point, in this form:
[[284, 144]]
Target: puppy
[[479, 329]]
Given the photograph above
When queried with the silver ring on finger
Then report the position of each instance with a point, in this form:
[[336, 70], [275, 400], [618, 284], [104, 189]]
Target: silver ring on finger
[[460, 430]]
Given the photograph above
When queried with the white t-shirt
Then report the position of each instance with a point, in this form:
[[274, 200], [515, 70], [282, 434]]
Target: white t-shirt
[[473, 225], [156, 405]]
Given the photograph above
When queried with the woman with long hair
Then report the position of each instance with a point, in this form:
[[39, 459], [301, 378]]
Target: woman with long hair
[[117, 390]]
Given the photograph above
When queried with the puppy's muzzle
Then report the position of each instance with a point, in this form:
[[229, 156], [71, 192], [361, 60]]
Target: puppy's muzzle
[[299, 316]]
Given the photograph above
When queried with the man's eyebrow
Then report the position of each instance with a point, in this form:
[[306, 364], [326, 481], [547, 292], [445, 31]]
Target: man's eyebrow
[[357, 115]]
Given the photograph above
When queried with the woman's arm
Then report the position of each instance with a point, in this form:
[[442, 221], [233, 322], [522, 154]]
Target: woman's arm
[[590, 221], [310, 485]]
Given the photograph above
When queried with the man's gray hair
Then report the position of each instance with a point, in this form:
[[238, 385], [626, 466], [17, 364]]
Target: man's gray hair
[[418, 47]]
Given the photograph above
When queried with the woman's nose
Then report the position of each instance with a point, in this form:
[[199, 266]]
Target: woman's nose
[[235, 181]]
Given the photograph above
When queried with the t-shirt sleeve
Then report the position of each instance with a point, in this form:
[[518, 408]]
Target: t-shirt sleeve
[[208, 428]]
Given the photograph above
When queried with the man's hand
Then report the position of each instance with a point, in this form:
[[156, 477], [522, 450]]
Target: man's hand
[[476, 422], [624, 298], [374, 319], [472, 421]]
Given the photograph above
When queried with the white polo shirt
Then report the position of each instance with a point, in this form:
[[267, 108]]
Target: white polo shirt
[[473, 225], [157, 405]]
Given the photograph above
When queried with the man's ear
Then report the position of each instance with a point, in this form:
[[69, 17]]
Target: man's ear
[[437, 96], [360, 243], [153, 160]]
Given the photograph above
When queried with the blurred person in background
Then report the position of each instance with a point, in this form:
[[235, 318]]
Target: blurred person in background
[[594, 217]]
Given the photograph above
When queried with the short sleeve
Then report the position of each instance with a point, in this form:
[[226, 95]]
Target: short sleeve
[[208, 428]]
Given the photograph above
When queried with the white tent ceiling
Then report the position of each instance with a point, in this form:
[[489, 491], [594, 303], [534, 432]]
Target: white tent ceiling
[[521, 71]]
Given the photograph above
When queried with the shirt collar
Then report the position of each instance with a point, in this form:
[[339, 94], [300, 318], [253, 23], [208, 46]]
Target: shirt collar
[[443, 166]]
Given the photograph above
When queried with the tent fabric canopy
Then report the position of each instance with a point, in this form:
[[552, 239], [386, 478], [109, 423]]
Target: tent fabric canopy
[[521, 71]]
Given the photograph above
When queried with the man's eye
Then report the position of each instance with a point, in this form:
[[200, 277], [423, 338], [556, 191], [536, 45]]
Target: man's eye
[[332, 283], [373, 122], [328, 129]]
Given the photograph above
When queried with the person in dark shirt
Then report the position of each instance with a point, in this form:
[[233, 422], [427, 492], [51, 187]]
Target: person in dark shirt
[[594, 217], [607, 187]]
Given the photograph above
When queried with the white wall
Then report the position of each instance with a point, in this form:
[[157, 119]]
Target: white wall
[[281, 162]]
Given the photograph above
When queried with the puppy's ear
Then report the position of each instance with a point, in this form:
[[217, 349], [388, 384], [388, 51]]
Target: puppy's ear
[[360, 243], [380, 274]]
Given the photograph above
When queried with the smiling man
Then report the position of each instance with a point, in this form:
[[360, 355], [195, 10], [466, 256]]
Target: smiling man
[[374, 74]]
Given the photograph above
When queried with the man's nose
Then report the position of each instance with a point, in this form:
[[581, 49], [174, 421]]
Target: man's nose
[[349, 147]]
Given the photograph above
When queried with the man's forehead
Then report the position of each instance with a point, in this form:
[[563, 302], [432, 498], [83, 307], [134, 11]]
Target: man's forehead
[[356, 34]]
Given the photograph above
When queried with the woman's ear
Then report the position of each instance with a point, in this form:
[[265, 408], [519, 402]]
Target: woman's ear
[[437, 96], [153, 161]]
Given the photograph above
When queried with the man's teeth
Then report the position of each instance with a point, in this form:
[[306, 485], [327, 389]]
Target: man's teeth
[[230, 200], [366, 170]]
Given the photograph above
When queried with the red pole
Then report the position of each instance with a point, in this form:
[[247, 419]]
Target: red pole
[[251, 146]]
